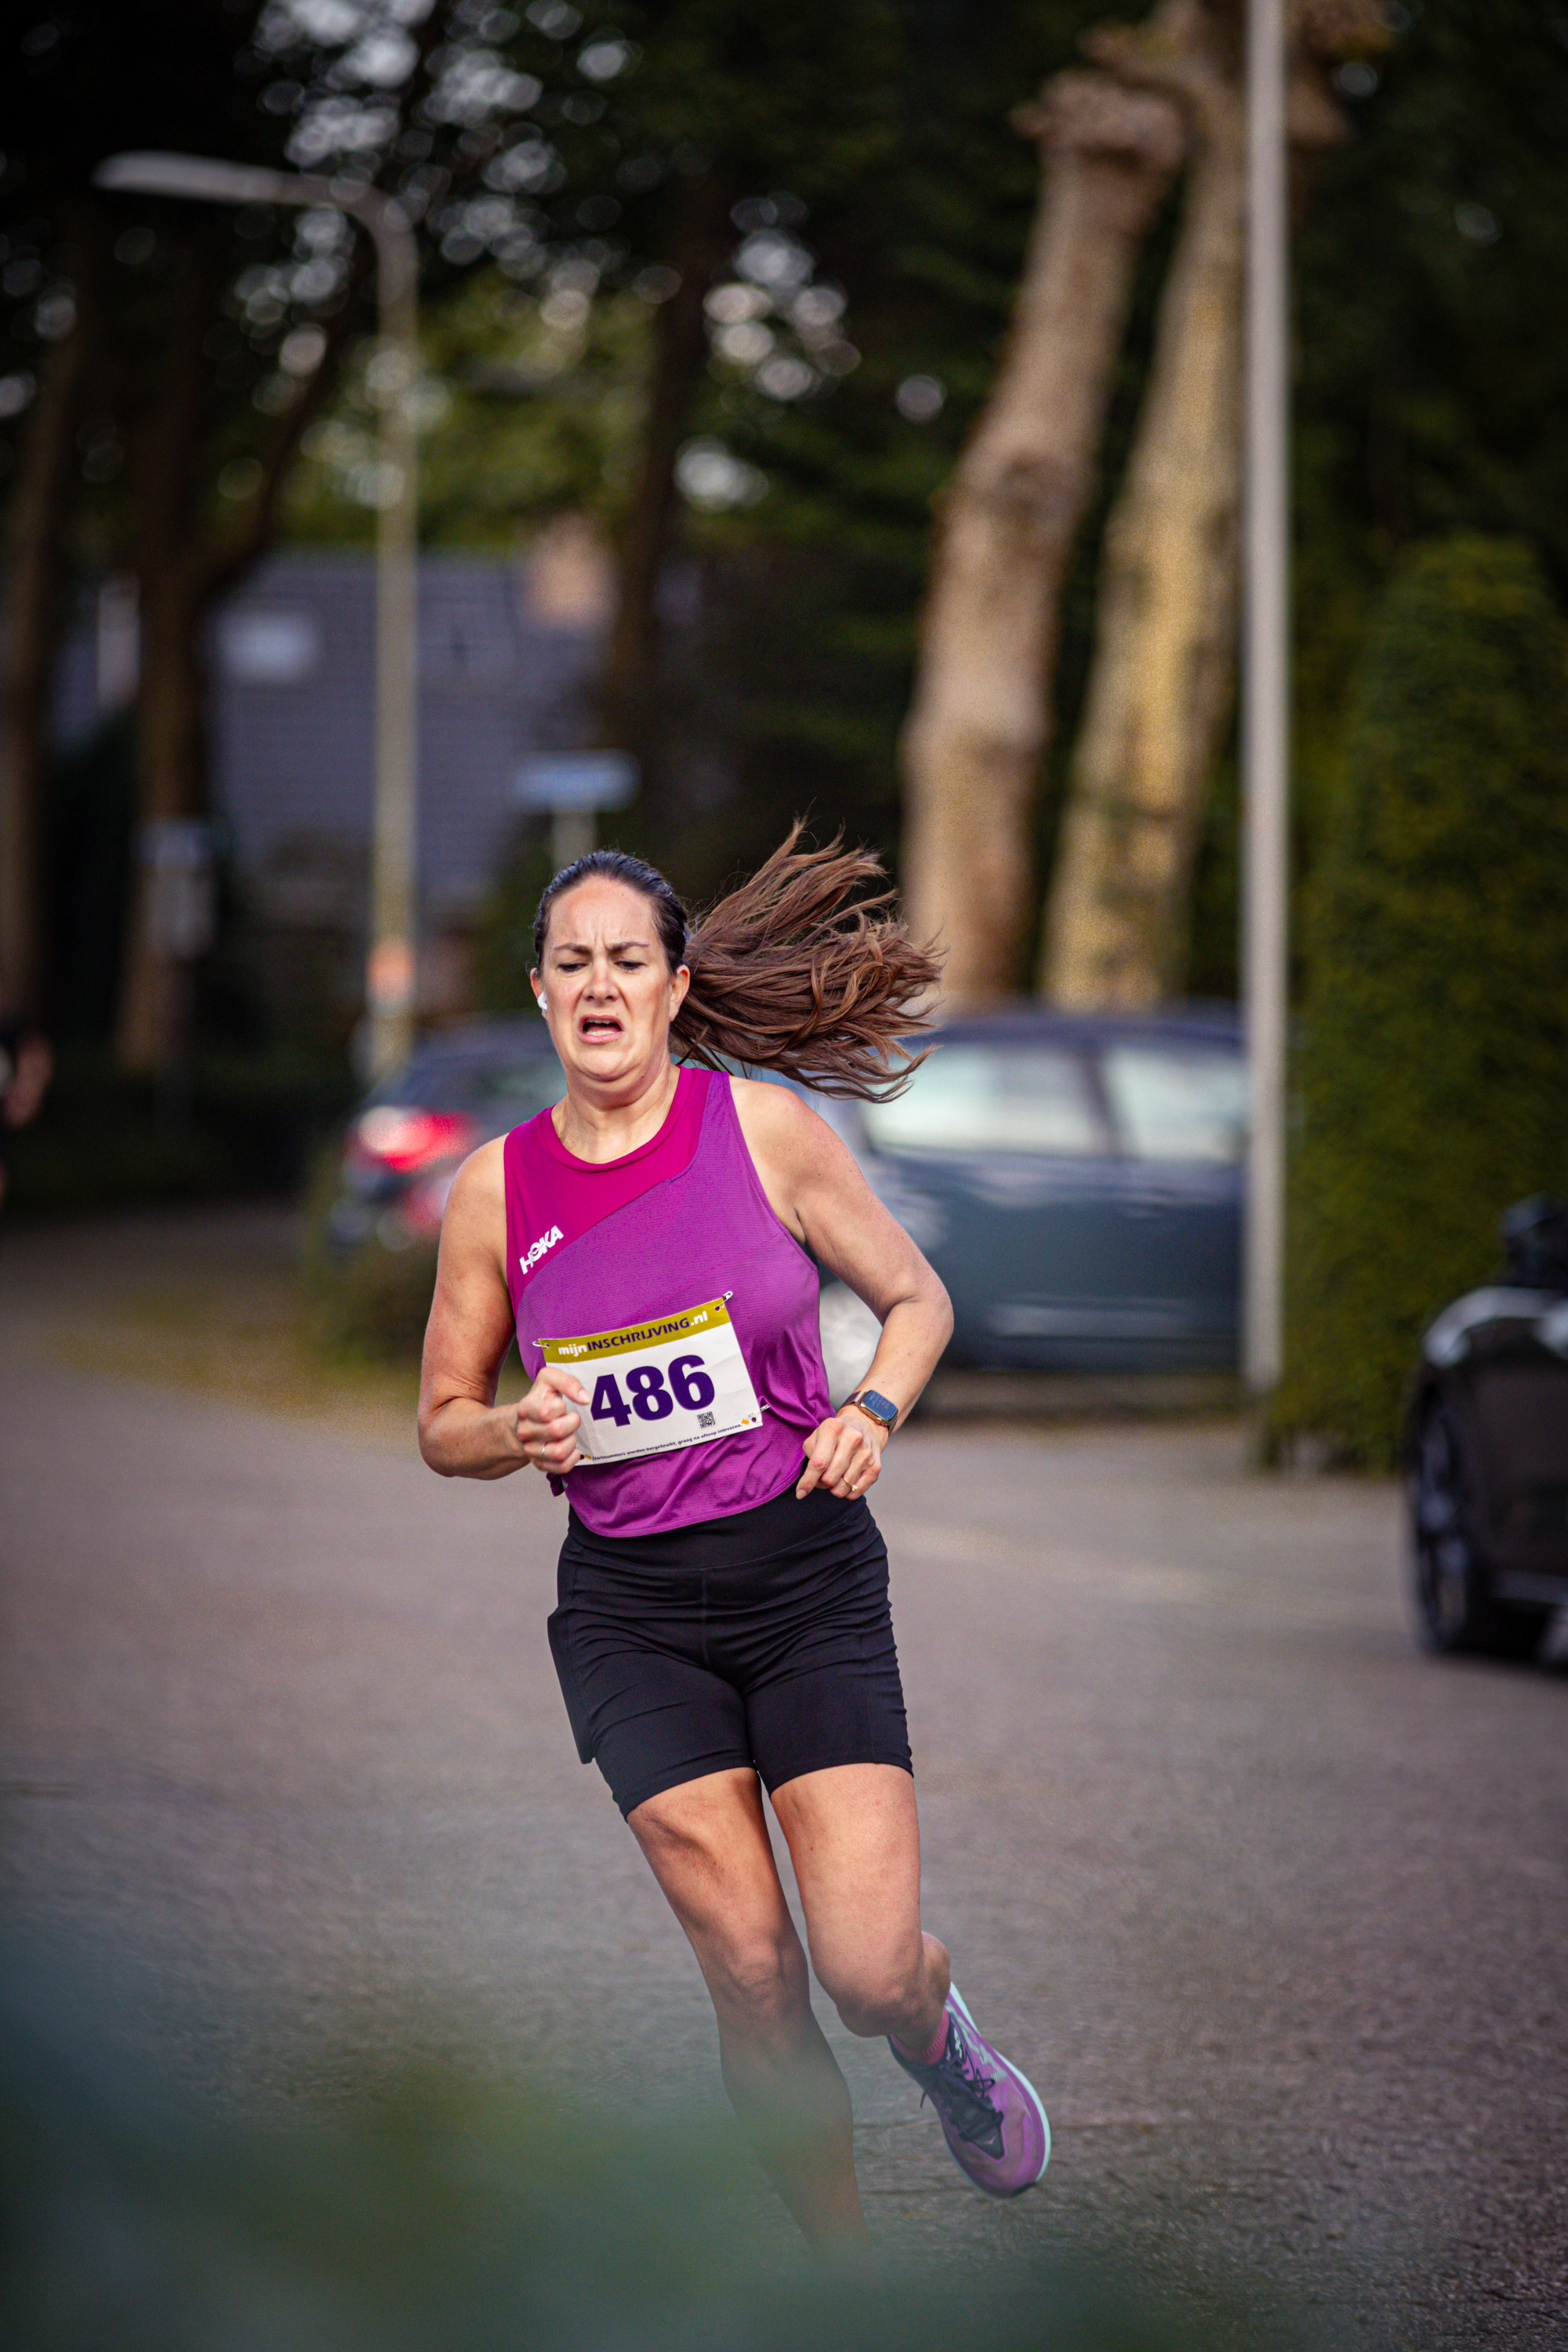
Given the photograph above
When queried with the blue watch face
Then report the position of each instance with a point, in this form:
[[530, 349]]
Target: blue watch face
[[884, 1405]]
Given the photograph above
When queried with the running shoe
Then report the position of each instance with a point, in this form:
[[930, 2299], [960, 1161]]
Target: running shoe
[[991, 2113]]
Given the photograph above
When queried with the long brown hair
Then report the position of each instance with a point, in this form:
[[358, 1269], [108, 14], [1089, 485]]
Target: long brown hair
[[804, 968]]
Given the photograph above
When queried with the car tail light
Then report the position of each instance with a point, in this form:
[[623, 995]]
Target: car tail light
[[403, 1140]]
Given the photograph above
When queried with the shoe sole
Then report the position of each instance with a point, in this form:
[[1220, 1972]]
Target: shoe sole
[[962, 2008]]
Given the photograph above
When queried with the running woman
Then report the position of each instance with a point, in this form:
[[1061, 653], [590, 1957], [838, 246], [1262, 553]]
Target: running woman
[[723, 1611]]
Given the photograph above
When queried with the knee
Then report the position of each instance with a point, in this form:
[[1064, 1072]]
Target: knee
[[874, 1993], [759, 1986]]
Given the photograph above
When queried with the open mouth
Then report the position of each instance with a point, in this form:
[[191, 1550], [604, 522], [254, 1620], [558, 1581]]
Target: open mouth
[[599, 1024]]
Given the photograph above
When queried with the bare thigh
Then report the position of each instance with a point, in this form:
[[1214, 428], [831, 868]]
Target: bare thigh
[[854, 1838], [707, 1843]]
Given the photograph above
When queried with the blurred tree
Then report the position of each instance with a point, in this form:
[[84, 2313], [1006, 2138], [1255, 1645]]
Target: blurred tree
[[33, 590], [684, 135], [219, 334], [1160, 687], [847, 341], [849, 348], [1435, 1030], [520, 419], [1432, 341], [802, 669], [977, 730], [1431, 369]]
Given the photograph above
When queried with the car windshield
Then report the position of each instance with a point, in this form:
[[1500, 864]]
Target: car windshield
[[985, 1098], [1178, 1102]]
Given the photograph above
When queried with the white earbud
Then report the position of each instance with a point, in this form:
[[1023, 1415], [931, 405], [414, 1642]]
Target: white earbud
[[542, 1006]]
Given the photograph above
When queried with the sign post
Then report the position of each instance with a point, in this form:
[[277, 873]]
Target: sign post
[[571, 787]]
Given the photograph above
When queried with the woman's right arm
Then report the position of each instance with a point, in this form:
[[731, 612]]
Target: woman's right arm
[[463, 1432]]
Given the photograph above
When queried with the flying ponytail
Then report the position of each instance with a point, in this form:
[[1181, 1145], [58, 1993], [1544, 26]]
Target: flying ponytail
[[789, 973]]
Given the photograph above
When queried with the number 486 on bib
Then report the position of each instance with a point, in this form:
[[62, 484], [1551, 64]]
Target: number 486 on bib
[[654, 1392], [656, 1387]]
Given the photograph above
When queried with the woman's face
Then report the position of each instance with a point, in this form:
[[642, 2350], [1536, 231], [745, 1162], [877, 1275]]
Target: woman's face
[[604, 986]]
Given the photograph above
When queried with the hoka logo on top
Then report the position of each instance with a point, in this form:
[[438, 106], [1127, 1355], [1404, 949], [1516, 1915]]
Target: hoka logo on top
[[546, 1242]]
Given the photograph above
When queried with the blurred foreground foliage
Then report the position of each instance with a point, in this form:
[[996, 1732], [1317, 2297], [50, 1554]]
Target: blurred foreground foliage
[[226, 1125], [1435, 1031], [437, 2211]]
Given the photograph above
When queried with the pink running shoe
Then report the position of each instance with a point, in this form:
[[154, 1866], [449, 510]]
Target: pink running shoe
[[991, 2115]]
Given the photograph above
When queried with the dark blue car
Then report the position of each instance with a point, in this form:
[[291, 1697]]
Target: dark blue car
[[1075, 1180]]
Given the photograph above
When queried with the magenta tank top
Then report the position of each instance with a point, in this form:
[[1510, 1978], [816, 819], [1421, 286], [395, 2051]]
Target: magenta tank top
[[598, 1245]]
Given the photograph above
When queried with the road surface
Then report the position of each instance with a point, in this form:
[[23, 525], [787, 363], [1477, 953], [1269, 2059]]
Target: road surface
[[1270, 1906]]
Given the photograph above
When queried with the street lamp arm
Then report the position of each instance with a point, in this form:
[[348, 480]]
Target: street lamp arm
[[155, 174], [151, 172]]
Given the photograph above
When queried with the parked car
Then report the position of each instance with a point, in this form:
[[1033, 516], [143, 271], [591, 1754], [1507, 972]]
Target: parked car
[[1075, 1179], [402, 1146], [1486, 1451]]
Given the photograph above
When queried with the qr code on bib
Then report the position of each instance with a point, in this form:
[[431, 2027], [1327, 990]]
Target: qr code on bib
[[707, 1421]]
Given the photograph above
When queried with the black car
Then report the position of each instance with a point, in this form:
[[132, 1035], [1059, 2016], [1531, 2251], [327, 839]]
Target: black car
[[1486, 1451]]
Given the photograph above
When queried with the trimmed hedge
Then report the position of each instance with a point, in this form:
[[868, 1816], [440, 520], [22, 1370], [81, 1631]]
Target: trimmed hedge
[[230, 1126], [1432, 1080], [365, 1301]]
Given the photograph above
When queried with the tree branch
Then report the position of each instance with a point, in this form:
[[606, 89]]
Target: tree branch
[[232, 552]]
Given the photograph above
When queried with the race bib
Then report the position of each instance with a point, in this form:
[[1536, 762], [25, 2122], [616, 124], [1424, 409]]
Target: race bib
[[659, 1386]]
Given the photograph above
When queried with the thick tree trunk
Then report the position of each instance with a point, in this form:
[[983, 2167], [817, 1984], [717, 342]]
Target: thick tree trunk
[[171, 770], [701, 242], [979, 723], [40, 506], [1161, 670], [154, 1005], [180, 573], [1160, 687]]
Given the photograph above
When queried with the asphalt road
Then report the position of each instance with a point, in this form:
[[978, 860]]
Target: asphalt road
[[1270, 1906]]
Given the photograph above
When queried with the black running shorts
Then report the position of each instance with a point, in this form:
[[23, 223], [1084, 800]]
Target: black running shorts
[[760, 1639]]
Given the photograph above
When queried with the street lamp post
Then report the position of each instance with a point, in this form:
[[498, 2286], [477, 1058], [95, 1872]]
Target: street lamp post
[[1265, 715], [390, 969]]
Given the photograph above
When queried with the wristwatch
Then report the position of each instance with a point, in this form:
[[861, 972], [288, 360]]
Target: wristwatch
[[874, 1407]]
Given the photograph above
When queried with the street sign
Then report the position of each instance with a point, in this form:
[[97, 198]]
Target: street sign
[[576, 781], [178, 854]]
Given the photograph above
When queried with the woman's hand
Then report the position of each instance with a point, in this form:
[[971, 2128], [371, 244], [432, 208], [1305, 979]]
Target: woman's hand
[[843, 1453], [544, 1424], [463, 1432]]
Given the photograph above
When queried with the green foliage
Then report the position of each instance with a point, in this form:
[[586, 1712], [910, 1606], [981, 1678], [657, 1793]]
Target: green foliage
[[366, 1302], [798, 678], [1432, 376], [1434, 356], [1435, 1025], [520, 419], [434, 2206], [230, 1126]]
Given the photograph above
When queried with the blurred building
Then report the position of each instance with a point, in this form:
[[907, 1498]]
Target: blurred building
[[507, 653]]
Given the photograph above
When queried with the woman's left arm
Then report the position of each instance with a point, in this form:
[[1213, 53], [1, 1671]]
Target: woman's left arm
[[817, 1191]]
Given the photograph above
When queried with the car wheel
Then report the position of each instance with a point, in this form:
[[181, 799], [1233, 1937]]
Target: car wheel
[[1454, 1612]]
